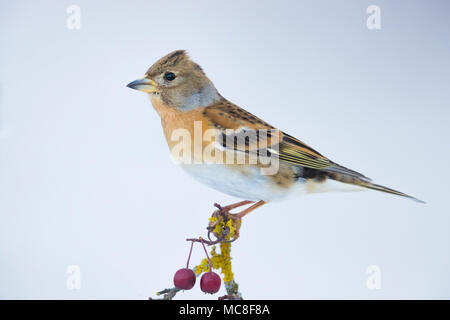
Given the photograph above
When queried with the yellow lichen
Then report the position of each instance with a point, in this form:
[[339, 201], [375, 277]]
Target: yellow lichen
[[221, 261], [202, 267]]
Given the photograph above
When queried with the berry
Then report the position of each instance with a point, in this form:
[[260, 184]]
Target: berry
[[184, 279], [210, 282]]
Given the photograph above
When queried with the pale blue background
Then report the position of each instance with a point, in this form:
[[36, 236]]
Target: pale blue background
[[85, 175]]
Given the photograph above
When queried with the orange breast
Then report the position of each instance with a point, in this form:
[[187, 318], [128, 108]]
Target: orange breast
[[181, 126]]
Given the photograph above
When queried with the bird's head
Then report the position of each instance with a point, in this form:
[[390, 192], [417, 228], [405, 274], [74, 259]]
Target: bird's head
[[178, 81]]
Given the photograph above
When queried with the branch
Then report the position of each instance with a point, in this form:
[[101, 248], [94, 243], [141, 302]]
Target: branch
[[226, 230]]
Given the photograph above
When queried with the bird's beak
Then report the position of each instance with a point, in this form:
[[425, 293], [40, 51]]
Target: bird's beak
[[145, 84]]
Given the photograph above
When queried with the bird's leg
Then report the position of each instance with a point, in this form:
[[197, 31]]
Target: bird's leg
[[220, 217], [244, 212], [223, 211], [236, 217], [233, 205], [223, 215]]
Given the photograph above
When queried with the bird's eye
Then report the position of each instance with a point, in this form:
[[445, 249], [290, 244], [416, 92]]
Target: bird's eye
[[169, 76]]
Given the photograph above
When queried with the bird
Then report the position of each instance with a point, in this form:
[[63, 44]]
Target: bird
[[189, 106]]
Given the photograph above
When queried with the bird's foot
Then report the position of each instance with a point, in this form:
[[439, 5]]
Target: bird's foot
[[225, 225]]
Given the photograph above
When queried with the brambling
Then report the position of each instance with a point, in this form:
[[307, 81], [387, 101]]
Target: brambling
[[189, 104]]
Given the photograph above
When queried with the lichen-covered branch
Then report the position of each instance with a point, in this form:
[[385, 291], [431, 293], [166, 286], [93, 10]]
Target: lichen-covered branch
[[225, 230]]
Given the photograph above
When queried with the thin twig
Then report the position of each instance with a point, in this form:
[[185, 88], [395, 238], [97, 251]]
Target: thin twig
[[168, 293]]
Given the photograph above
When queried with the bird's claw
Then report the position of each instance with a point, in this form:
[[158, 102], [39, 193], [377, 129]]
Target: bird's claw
[[222, 215]]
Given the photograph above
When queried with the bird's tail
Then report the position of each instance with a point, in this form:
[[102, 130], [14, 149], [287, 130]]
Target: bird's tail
[[369, 185]]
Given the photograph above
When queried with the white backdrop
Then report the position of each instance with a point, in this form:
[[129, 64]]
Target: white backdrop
[[86, 178]]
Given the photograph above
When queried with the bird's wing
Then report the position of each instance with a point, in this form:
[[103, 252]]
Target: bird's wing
[[294, 151], [236, 123]]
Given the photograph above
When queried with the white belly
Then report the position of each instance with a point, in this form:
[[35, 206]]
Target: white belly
[[248, 184]]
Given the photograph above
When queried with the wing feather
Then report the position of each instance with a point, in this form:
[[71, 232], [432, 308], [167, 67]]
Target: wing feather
[[226, 115]]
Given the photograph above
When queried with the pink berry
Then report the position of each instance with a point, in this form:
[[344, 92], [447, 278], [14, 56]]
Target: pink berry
[[210, 282], [184, 279]]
